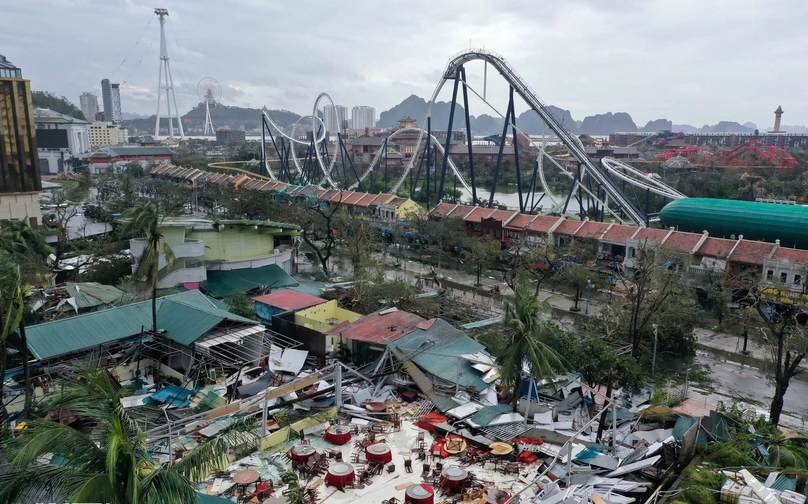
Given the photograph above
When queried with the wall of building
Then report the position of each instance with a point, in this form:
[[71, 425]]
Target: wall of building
[[21, 206], [324, 316], [409, 209], [232, 242], [19, 163]]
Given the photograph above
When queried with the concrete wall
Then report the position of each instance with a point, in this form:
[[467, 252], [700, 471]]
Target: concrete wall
[[18, 206], [231, 243], [317, 317]]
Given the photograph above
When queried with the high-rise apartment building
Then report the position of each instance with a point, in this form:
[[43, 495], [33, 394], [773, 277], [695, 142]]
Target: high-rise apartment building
[[88, 103], [363, 117], [111, 94], [20, 182], [334, 117]]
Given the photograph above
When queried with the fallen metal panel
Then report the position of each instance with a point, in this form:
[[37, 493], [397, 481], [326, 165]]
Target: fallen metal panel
[[636, 466], [293, 386]]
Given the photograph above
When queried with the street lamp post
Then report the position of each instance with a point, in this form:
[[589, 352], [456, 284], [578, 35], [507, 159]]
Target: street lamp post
[[588, 287], [611, 287], [653, 359]]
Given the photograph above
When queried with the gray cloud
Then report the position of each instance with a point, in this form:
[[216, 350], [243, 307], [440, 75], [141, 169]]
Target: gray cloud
[[689, 61]]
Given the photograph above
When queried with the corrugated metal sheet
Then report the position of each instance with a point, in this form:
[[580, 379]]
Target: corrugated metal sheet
[[486, 415], [442, 404], [438, 350], [186, 314], [288, 299], [378, 327], [222, 283], [91, 294], [783, 482], [682, 425]]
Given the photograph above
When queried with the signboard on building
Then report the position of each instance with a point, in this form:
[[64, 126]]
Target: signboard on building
[[775, 295]]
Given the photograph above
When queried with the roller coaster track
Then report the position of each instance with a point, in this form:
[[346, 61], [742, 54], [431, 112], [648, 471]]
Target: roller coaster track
[[531, 98], [608, 174]]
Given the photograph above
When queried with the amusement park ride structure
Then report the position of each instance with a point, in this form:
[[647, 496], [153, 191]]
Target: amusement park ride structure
[[600, 188]]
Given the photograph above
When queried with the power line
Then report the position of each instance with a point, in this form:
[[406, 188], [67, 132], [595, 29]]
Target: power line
[[182, 58], [137, 65], [132, 48]]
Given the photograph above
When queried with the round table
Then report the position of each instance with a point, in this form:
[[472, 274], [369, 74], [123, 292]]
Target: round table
[[419, 494], [302, 453], [340, 474], [500, 449], [379, 452], [246, 477], [338, 434], [452, 477]]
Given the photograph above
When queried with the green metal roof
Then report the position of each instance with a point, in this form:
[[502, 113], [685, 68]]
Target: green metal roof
[[487, 415], [724, 218], [221, 283], [92, 294], [185, 316], [437, 350], [187, 322], [683, 424], [783, 482]]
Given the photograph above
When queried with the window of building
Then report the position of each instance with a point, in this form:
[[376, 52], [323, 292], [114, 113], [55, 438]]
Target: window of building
[[784, 277], [769, 274], [797, 279]]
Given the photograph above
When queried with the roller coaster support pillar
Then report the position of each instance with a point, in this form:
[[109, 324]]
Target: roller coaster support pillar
[[508, 119], [468, 140], [516, 155], [448, 135], [572, 188], [344, 155], [428, 160]]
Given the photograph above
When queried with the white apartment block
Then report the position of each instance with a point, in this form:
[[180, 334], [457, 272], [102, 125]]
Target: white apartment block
[[363, 117], [104, 133]]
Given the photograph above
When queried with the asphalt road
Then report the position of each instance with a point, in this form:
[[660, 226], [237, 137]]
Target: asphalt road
[[751, 386]]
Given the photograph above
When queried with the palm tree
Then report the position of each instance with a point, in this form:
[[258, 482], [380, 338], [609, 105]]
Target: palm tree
[[524, 344], [104, 456], [145, 220], [11, 310]]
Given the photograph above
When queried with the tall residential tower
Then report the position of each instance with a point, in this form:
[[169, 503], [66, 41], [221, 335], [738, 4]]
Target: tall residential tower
[[363, 117], [89, 106], [111, 94], [20, 183]]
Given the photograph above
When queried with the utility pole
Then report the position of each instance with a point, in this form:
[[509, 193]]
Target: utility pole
[[166, 83], [653, 359]]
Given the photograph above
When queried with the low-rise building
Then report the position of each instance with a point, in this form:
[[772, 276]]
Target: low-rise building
[[59, 137], [106, 134], [228, 136], [202, 245], [113, 159]]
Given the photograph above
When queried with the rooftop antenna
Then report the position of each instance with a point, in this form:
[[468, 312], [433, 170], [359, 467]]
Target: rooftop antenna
[[165, 67], [210, 92]]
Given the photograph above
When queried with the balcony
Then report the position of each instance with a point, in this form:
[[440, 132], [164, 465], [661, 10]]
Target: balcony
[[191, 248], [182, 271]]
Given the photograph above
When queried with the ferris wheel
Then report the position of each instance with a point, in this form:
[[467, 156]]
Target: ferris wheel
[[210, 92]]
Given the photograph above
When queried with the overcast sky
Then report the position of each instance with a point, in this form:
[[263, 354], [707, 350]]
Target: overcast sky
[[690, 61]]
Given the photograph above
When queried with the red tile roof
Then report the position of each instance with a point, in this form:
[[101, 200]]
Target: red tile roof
[[326, 196], [397, 202], [352, 198], [791, 254], [541, 224], [460, 211], [567, 228], [380, 199], [592, 230], [288, 299], [478, 214], [716, 247], [618, 234], [652, 234], [751, 252], [365, 200], [520, 221], [378, 327], [684, 242], [501, 215], [442, 209]]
